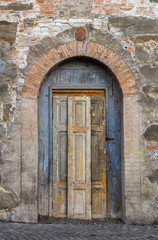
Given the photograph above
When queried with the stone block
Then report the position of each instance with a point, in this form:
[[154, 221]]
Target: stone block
[[151, 133], [28, 22], [4, 50], [134, 25], [141, 54], [2, 131], [8, 70], [6, 112], [8, 31], [74, 8], [15, 6], [7, 199], [5, 215], [150, 73], [4, 93], [152, 172], [151, 91]]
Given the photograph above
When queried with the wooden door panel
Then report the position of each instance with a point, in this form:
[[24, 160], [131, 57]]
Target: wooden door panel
[[62, 156], [79, 203], [98, 148], [61, 202], [95, 150], [96, 202], [60, 147], [62, 112], [79, 158], [78, 114]]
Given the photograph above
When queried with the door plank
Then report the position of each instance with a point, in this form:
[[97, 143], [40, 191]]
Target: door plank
[[78, 92], [60, 129], [79, 158], [98, 149]]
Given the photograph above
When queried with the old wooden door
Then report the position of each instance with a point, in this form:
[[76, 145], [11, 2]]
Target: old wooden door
[[79, 73], [79, 154]]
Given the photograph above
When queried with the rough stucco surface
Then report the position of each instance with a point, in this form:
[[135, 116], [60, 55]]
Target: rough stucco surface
[[29, 30]]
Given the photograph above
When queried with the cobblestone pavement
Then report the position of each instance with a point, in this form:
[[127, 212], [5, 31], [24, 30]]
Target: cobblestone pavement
[[120, 231]]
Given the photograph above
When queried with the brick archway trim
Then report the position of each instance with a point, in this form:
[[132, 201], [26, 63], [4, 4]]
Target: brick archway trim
[[89, 49], [30, 138]]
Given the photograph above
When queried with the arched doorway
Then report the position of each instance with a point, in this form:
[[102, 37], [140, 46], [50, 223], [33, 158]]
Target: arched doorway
[[84, 76]]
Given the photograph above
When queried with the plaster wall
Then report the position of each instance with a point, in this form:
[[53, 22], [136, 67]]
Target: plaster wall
[[28, 30]]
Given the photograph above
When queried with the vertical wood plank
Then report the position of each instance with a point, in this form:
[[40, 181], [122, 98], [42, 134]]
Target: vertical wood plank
[[79, 158], [60, 156], [98, 149]]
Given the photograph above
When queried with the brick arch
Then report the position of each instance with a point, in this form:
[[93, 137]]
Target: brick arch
[[29, 126], [89, 49]]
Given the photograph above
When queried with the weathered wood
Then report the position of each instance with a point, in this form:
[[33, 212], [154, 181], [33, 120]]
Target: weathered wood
[[79, 92], [60, 156], [79, 158], [98, 149], [82, 75]]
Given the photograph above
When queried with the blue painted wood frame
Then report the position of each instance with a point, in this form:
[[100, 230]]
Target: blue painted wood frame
[[96, 78]]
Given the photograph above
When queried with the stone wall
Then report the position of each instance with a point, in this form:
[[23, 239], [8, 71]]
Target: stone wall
[[29, 29]]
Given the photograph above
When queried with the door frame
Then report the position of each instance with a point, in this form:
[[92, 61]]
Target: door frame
[[37, 73], [66, 87]]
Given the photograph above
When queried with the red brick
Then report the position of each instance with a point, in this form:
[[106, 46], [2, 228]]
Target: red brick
[[125, 80], [124, 73], [150, 147], [118, 67], [114, 62], [99, 52], [106, 53], [54, 56], [59, 52], [45, 62], [65, 51], [40, 1], [34, 76], [40, 67], [111, 59], [74, 47], [91, 49], [71, 48], [128, 84], [30, 92]]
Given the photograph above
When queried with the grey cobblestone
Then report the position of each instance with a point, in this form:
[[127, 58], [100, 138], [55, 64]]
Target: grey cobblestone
[[15, 231]]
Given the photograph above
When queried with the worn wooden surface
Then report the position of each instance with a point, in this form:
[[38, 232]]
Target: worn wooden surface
[[79, 92], [79, 158], [81, 75], [60, 159], [98, 150]]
